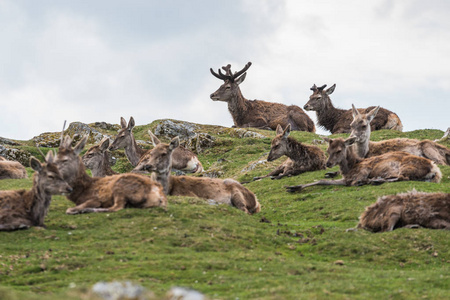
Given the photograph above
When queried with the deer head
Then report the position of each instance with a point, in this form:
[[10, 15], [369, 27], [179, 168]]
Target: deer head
[[159, 159], [94, 157], [361, 124], [49, 177], [279, 143], [230, 88], [124, 136], [337, 150], [319, 98], [68, 160]]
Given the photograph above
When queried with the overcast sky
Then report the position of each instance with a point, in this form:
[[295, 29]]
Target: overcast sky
[[94, 61]]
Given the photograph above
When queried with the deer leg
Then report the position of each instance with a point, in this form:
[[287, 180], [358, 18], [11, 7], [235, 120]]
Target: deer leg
[[275, 172], [440, 224], [16, 225], [298, 188], [85, 207], [430, 152], [394, 217]]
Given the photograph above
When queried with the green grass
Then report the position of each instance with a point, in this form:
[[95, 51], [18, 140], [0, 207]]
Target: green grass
[[303, 253]]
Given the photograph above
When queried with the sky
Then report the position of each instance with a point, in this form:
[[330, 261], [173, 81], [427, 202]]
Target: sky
[[91, 61]]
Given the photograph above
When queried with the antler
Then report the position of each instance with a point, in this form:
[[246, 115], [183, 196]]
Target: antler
[[40, 151], [228, 74], [315, 88], [62, 133]]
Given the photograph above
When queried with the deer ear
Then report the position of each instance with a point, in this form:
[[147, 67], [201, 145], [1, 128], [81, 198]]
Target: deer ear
[[241, 79], [123, 123], [355, 111], [287, 131], [35, 164], [371, 114], [131, 124], [350, 141], [330, 90], [279, 129], [174, 143], [155, 140], [80, 146], [328, 140], [104, 145], [49, 157]]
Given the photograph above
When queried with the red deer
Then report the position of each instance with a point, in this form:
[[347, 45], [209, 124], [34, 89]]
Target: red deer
[[97, 159], [257, 113], [227, 191], [366, 148], [104, 194], [391, 166], [338, 120], [21, 209], [11, 169], [184, 159], [301, 158], [407, 210]]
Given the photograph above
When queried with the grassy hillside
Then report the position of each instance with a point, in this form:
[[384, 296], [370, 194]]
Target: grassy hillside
[[296, 248]]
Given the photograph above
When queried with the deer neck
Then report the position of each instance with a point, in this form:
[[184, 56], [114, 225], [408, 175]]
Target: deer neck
[[79, 186], [134, 152], [349, 161], [328, 116], [361, 148], [238, 107], [295, 150], [40, 202], [164, 179], [104, 169]]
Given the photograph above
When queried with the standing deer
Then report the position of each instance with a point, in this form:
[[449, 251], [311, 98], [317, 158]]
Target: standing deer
[[301, 158], [407, 210], [97, 159], [11, 169], [21, 209], [338, 120], [183, 159], [228, 191], [104, 194], [361, 130], [257, 113], [391, 166]]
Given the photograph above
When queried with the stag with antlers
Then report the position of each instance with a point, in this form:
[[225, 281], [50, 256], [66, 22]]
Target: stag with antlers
[[257, 113]]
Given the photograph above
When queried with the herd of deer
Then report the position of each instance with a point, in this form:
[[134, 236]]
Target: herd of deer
[[361, 161]]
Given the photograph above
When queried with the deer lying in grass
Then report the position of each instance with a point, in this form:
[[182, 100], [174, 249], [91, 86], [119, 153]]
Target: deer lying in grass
[[338, 120], [97, 159], [257, 113], [21, 209], [408, 210], [391, 166], [183, 159], [365, 148], [104, 194], [301, 158], [11, 169], [227, 191]]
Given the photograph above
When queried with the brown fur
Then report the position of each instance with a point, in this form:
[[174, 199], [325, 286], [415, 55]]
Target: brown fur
[[338, 120], [97, 160], [105, 194], [412, 209], [366, 148], [12, 170], [20, 209], [184, 159], [301, 158], [257, 113], [391, 166], [226, 191]]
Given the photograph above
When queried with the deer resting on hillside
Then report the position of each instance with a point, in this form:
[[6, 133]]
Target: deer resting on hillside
[[97, 159], [338, 120], [361, 130], [257, 113], [183, 159], [301, 158], [407, 210], [21, 209], [227, 191], [11, 169], [388, 167], [104, 194]]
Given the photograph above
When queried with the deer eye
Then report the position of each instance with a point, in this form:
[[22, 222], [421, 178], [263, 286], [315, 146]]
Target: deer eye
[[364, 127]]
